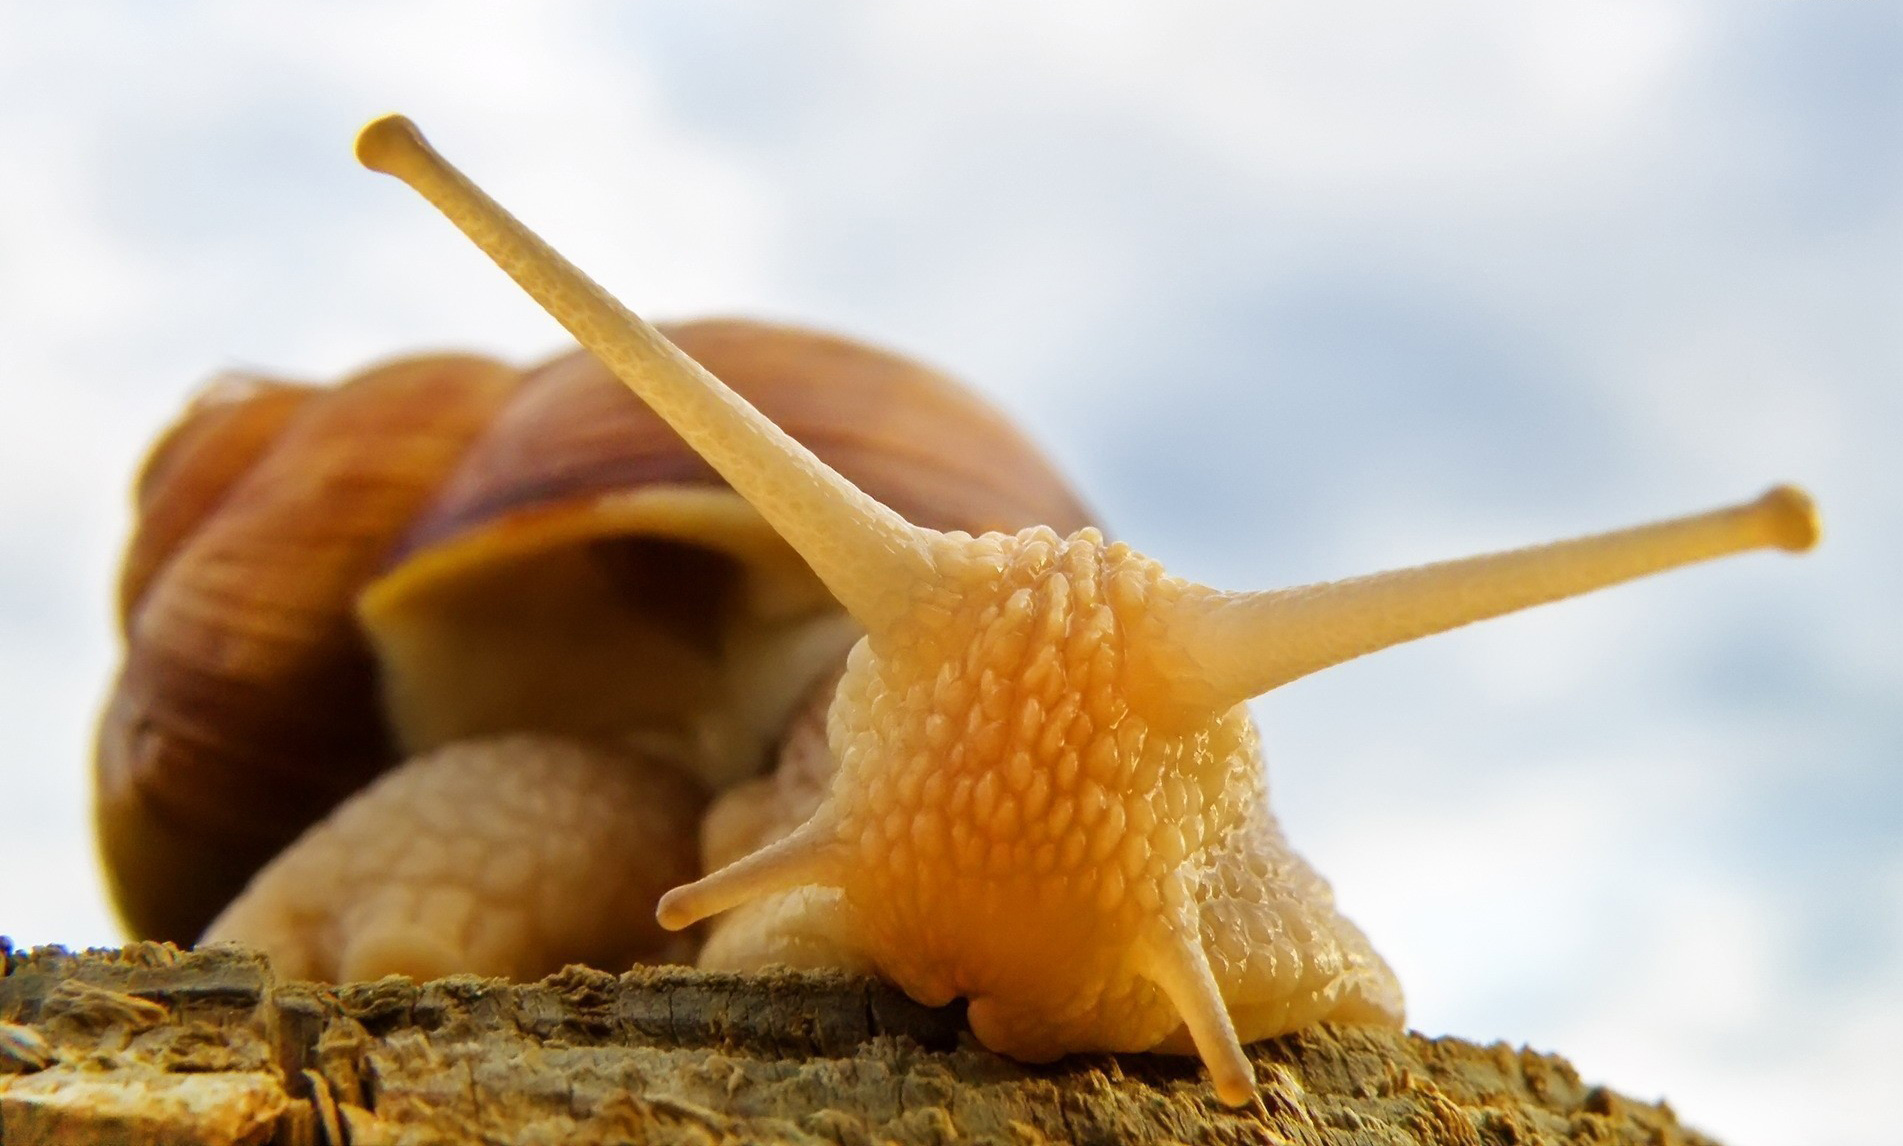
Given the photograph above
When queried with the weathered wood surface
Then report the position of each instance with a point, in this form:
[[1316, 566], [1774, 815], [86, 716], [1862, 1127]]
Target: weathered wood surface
[[150, 1044]]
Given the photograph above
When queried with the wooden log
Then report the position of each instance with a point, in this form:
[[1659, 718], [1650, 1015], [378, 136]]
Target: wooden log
[[152, 1044]]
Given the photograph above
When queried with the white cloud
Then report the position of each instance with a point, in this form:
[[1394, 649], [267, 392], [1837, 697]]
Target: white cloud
[[1302, 290]]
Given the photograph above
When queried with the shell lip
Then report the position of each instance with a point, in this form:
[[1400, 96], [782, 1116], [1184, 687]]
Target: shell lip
[[712, 516]]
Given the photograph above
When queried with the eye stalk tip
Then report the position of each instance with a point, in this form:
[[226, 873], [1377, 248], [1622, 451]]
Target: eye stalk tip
[[389, 143], [1792, 517]]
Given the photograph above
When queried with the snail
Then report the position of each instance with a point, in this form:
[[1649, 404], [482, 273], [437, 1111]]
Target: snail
[[1013, 762]]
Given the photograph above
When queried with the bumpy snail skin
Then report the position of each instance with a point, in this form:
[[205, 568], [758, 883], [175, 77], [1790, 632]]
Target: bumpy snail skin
[[497, 857], [1013, 822], [1047, 798]]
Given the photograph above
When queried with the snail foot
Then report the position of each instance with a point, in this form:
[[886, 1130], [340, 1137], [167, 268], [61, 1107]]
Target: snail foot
[[511, 856]]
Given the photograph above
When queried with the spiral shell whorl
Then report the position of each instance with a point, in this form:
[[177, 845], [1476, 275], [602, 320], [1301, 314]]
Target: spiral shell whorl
[[246, 706]]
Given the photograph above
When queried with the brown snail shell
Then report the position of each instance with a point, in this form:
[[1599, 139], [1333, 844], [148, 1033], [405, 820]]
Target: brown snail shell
[[253, 699]]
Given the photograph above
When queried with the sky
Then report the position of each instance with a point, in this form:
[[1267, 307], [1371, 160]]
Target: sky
[[1293, 291]]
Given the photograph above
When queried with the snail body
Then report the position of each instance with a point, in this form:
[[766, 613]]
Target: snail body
[[1036, 786]]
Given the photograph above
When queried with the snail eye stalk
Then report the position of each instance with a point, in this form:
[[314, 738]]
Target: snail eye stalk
[[867, 555], [1232, 646]]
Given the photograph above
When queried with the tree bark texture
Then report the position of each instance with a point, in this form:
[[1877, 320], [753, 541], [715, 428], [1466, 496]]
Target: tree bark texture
[[151, 1044]]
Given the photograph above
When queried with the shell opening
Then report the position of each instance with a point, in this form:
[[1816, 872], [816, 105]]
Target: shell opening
[[669, 617]]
